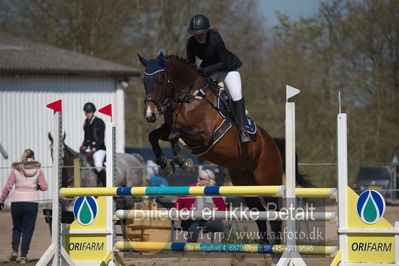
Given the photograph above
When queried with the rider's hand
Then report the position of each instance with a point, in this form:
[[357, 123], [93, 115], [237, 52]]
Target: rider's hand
[[93, 149]]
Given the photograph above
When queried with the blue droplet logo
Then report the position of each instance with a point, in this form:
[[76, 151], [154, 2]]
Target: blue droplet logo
[[370, 206], [85, 210]]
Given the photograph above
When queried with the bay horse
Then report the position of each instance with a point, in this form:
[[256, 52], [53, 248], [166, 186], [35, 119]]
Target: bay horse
[[187, 100]]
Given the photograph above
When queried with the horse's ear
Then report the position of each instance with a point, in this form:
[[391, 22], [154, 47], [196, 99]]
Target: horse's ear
[[161, 59], [50, 137], [81, 149], [142, 60], [63, 137]]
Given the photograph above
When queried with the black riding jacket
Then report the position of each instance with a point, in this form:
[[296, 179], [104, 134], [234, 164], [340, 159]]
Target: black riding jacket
[[213, 52], [94, 134]]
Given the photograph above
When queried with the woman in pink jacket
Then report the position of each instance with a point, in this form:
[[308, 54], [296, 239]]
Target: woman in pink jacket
[[27, 178]]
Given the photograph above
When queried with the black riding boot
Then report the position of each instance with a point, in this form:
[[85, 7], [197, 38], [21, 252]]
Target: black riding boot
[[239, 112], [102, 175]]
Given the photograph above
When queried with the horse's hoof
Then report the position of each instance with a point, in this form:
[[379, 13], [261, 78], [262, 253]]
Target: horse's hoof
[[188, 166], [169, 169]]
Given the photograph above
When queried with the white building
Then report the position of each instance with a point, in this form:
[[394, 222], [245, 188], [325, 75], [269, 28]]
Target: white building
[[33, 75]]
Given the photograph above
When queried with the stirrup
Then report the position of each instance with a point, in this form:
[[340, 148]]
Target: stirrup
[[244, 137]]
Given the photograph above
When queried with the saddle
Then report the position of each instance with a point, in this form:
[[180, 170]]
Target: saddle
[[224, 105], [89, 156]]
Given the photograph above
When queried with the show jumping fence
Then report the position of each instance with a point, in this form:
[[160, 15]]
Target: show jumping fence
[[360, 242]]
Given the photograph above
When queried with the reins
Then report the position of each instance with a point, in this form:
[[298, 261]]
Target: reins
[[200, 92], [165, 102]]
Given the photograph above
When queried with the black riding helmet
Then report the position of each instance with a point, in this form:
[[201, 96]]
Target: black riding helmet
[[89, 107], [199, 24]]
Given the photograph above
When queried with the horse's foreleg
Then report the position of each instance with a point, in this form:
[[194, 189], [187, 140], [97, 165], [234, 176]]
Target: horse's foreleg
[[154, 138], [162, 133], [255, 204], [186, 164]]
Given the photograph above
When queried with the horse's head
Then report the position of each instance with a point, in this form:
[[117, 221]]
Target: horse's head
[[66, 153], [156, 87], [67, 157], [62, 154]]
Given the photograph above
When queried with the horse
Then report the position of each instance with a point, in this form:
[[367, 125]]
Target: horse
[[130, 171], [130, 168], [187, 99]]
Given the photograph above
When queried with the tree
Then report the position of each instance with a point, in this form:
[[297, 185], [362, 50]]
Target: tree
[[118, 30], [348, 46]]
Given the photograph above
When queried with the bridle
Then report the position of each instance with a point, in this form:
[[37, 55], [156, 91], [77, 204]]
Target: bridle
[[162, 102]]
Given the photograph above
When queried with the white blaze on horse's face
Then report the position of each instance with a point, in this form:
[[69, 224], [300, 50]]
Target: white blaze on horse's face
[[150, 112]]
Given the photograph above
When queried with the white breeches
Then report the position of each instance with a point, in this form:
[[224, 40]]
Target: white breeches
[[232, 79], [98, 158]]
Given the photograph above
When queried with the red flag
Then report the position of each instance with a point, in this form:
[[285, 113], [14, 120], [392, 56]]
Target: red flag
[[107, 110], [56, 106]]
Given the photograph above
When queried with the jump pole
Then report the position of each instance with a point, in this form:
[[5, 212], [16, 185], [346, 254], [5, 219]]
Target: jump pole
[[177, 215], [275, 191], [342, 183], [100, 233], [290, 256], [56, 252], [110, 176], [220, 247]]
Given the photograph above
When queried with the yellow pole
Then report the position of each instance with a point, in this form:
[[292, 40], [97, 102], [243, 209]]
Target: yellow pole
[[316, 193], [76, 172], [220, 247]]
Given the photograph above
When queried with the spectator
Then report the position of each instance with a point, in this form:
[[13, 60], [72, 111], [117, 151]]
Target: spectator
[[27, 178], [205, 178], [220, 175]]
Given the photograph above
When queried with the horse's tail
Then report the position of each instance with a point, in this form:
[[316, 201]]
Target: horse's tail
[[301, 179]]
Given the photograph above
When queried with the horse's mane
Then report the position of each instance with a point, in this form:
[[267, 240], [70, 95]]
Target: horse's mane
[[71, 151], [182, 60]]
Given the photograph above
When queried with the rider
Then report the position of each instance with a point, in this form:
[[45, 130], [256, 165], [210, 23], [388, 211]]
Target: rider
[[94, 128], [219, 63]]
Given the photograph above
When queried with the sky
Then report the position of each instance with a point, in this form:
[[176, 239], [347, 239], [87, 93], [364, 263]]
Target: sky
[[293, 8]]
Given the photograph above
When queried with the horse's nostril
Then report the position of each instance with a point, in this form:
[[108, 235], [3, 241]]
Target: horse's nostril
[[152, 118]]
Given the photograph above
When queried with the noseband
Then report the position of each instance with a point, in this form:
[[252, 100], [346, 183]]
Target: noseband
[[162, 102]]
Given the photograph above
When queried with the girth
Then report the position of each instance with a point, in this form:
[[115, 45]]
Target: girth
[[219, 133]]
